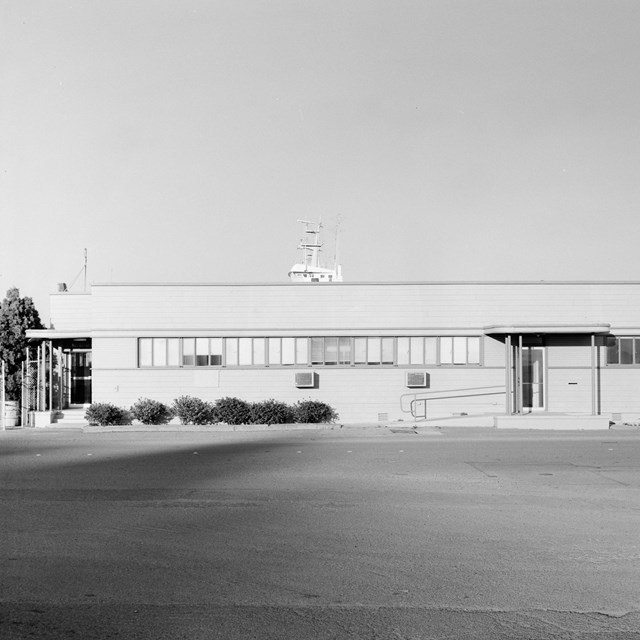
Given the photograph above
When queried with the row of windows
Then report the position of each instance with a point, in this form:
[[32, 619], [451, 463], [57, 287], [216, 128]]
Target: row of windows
[[623, 351], [321, 351]]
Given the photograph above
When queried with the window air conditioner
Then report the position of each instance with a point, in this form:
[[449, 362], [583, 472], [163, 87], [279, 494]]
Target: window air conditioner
[[305, 379], [417, 379]]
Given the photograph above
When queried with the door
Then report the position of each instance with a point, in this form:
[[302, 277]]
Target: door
[[80, 378], [533, 370]]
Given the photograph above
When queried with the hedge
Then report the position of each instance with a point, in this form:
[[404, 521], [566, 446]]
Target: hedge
[[233, 411]]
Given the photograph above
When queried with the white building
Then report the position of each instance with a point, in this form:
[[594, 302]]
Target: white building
[[460, 352]]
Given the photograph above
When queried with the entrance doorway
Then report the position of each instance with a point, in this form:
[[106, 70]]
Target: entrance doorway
[[80, 378], [533, 374]]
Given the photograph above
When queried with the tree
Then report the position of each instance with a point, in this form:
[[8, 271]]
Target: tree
[[16, 316]]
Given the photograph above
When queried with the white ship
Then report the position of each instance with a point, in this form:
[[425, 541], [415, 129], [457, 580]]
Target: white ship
[[309, 270]]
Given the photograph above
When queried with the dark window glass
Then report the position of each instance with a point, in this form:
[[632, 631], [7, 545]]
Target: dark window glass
[[317, 350], [626, 350]]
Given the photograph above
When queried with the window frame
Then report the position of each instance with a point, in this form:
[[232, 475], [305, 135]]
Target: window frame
[[615, 342], [342, 351]]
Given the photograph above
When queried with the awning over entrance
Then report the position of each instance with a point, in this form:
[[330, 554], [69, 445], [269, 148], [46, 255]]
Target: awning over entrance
[[55, 334], [522, 329]]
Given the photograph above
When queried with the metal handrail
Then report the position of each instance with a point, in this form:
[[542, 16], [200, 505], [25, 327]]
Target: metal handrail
[[425, 396]]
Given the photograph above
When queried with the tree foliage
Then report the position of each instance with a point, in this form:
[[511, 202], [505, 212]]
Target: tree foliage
[[16, 316]]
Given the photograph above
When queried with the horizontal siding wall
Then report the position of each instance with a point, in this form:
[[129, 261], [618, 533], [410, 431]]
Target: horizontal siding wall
[[494, 352], [355, 306], [71, 311], [109, 353], [620, 390], [358, 395], [569, 390]]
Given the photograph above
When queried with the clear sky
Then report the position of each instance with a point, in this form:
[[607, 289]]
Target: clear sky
[[179, 140]]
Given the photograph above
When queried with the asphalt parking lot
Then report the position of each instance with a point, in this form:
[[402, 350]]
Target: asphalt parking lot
[[345, 533]]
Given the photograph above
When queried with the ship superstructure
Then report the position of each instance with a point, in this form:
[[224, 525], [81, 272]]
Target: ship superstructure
[[309, 270]]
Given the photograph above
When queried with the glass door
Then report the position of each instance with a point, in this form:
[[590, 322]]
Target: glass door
[[80, 378], [533, 374]]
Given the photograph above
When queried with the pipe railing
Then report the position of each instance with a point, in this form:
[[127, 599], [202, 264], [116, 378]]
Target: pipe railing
[[416, 403]]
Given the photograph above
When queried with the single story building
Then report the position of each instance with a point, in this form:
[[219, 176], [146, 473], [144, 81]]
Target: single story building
[[461, 352]]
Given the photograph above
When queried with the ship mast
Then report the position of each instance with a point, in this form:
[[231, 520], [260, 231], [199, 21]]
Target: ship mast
[[311, 246]]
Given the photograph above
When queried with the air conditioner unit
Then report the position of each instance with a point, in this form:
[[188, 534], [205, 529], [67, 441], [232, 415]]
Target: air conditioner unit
[[305, 379], [417, 379]]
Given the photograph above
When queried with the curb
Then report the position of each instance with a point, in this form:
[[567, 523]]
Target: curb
[[208, 428]]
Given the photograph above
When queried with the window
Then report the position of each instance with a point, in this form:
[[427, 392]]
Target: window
[[258, 351], [231, 352], [344, 350], [317, 350], [173, 352], [188, 352], [274, 351], [416, 354], [333, 351], [388, 348], [145, 353], [302, 351], [459, 350], [202, 352], [215, 351], [245, 351], [623, 351], [288, 351]]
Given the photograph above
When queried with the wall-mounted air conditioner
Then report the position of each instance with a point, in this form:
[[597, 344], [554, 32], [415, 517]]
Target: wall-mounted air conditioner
[[305, 379], [417, 379]]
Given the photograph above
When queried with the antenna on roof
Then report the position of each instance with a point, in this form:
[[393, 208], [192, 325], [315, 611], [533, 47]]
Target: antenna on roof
[[82, 271]]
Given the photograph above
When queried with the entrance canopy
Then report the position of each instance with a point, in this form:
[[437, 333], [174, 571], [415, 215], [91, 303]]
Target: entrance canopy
[[521, 329]]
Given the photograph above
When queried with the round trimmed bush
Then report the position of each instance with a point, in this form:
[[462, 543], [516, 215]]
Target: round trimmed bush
[[233, 411], [192, 410], [314, 411], [106, 414], [271, 412], [150, 411]]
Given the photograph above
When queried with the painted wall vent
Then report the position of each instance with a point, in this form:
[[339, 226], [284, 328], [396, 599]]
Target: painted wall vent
[[305, 379], [417, 379]]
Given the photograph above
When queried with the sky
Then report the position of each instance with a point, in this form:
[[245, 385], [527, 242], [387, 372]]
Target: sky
[[180, 141]]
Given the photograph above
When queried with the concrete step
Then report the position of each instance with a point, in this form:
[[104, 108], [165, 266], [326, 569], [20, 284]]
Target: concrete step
[[71, 417]]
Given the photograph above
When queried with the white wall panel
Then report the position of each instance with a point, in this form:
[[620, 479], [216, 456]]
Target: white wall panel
[[71, 311], [358, 395]]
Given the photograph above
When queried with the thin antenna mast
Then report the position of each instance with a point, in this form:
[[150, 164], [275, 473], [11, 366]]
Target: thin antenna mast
[[85, 270]]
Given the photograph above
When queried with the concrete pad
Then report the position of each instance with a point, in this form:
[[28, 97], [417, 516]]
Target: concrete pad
[[552, 422]]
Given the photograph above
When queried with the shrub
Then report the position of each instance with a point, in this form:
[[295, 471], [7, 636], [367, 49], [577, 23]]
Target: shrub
[[271, 412], [233, 411], [314, 411], [151, 411], [192, 410], [106, 414]]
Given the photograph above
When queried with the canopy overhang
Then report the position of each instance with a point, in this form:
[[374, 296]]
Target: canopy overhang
[[522, 329]]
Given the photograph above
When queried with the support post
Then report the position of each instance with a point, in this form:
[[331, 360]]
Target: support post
[[24, 395], [38, 379], [520, 383], [50, 376], [593, 374], [507, 366], [60, 381], [43, 377]]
